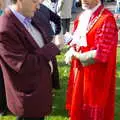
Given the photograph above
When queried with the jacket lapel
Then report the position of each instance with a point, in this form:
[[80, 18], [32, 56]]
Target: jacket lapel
[[36, 22]]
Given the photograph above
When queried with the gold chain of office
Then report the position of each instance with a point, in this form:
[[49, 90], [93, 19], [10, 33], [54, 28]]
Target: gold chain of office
[[91, 24]]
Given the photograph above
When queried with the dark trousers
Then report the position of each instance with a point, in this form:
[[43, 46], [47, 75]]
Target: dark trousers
[[26, 118], [65, 25]]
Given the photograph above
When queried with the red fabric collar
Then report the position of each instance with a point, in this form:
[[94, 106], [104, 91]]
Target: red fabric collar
[[96, 13]]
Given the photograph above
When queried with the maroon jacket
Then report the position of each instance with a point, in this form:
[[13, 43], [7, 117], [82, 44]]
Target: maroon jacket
[[25, 68]]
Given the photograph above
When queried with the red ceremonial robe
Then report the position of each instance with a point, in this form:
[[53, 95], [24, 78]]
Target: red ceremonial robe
[[91, 89]]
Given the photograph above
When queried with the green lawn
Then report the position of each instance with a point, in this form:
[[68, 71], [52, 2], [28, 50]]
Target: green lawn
[[117, 113], [59, 112]]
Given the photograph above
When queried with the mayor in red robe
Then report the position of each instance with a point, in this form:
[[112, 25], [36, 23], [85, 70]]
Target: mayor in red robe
[[92, 56]]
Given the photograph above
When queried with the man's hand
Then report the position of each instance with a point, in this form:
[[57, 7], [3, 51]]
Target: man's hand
[[67, 38], [68, 55], [86, 58], [58, 41]]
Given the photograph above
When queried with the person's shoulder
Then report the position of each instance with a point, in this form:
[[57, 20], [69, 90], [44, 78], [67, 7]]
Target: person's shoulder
[[43, 7], [4, 21], [108, 16], [44, 10], [108, 13]]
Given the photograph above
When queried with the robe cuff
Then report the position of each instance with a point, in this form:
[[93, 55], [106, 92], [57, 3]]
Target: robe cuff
[[49, 51]]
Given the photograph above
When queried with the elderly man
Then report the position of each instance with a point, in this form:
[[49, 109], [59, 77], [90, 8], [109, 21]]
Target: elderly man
[[26, 55], [92, 55]]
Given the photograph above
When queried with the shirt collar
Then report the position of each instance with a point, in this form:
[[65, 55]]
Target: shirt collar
[[24, 20]]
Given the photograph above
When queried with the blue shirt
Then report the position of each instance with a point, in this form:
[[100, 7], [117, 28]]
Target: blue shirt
[[25, 21]]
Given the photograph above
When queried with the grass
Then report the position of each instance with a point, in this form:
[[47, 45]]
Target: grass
[[117, 106], [59, 112]]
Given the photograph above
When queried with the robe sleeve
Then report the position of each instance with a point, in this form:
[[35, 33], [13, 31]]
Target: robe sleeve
[[20, 59], [106, 39]]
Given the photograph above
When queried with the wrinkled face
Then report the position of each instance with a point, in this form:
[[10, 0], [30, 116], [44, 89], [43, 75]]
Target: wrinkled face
[[1, 4], [28, 7], [89, 4]]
